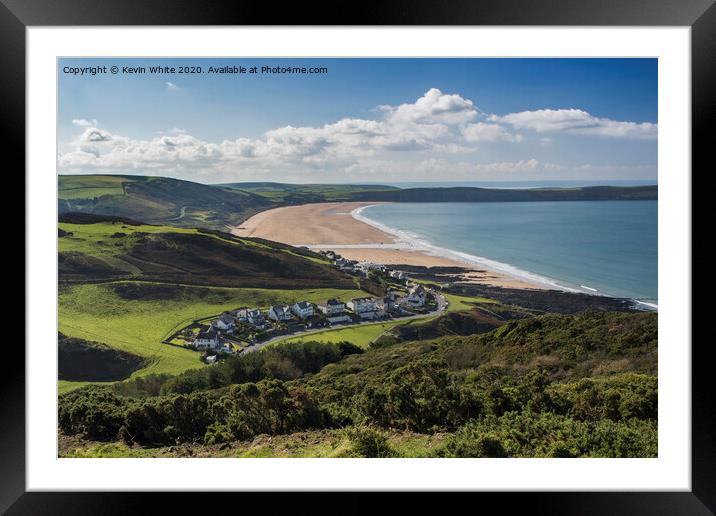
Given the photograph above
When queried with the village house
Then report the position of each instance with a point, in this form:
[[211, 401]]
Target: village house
[[302, 309], [364, 307], [348, 268], [332, 307], [252, 316], [370, 266], [388, 302], [340, 318], [207, 339], [399, 275], [416, 296], [280, 313], [225, 322]]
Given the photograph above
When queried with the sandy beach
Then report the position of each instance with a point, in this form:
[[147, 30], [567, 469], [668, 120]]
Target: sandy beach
[[331, 226]]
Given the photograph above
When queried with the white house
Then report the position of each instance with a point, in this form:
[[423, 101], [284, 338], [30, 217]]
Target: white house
[[364, 307], [207, 339], [416, 296], [280, 313], [363, 304], [224, 322], [302, 309], [252, 316], [332, 307]]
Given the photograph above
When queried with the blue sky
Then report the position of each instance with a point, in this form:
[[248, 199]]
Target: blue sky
[[365, 120]]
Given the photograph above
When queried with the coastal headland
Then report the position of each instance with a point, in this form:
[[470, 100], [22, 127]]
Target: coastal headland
[[332, 226]]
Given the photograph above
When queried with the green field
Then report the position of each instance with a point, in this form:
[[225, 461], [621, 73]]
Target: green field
[[88, 187], [157, 200], [96, 240], [361, 335], [460, 303], [98, 313]]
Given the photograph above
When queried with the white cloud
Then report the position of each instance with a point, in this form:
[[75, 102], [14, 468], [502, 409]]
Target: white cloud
[[408, 140], [171, 86], [576, 121], [433, 107], [484, 132], [101, 150]]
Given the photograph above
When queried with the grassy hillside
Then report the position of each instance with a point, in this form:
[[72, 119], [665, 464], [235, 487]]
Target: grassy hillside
[[361, 336], [135, 317], [158, 200], [117, 250], [81, 360], [549, 386], [128, 285]]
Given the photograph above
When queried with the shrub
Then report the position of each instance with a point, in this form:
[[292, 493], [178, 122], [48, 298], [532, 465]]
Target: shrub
[[550, 435], [369, 442], [282, 362], [91, 411]]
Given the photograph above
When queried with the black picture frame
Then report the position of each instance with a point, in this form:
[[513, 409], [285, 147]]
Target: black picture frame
[[700, 15]]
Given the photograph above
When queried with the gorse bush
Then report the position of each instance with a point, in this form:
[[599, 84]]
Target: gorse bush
[[550, 435], [281, 361], [369, 442], [420, 397], [92, 411]]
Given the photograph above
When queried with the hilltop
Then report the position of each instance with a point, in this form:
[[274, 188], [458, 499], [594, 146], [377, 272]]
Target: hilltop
[[118, 249], [158, 200]]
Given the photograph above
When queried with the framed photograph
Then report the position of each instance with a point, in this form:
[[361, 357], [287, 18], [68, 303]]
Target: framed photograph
[[426, 248]]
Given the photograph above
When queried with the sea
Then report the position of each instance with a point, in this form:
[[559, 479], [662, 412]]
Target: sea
[[595, 247]]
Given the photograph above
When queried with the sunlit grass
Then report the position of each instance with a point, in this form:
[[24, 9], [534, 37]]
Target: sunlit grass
[[96, 312]]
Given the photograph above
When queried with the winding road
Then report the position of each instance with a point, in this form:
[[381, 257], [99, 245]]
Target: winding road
[[182, 213], [442, 306]]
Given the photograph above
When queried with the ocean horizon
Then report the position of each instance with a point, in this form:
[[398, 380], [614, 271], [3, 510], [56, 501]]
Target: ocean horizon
[[595, 247], [517, 185]]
